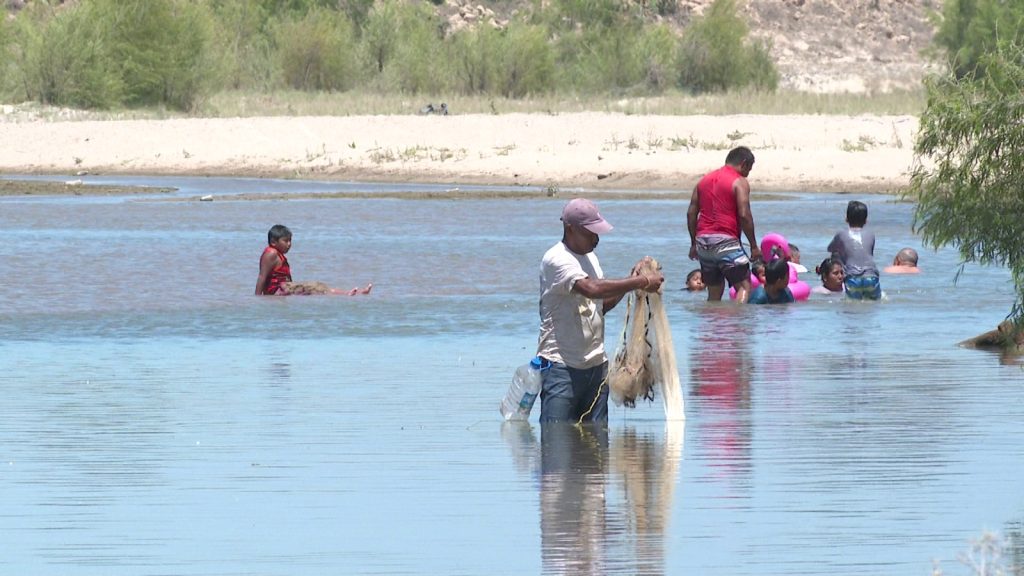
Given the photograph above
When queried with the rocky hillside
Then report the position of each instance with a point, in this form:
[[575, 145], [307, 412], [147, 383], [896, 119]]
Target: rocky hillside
[[825, 46]]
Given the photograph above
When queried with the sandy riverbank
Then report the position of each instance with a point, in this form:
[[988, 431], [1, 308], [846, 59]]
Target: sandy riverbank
[[589, 150]]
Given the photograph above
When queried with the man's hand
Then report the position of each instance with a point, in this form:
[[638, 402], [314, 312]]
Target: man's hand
[[693, 252], [755, 253], [654, 282]]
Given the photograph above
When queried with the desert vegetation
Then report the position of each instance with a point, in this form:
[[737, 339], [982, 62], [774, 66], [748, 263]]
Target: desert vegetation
[[177, 54]]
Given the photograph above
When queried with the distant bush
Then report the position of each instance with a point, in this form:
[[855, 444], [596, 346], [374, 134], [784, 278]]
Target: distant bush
[[527, 62], [715, 56], [244, 46], [402, 48], [970, 29], [174, 53], [316, 51], [64, 58], [474, 55], [161, 49]]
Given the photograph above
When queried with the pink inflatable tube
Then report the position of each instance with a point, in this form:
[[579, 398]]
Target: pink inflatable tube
[[800, 289]]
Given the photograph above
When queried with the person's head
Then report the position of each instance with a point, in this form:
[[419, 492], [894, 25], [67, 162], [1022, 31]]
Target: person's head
[[757, 269], [776, 274], [582, 225], [695, 281], [742, 159], [831, 272], [280, 237], [794, 254], [906, 257], [856, 214]]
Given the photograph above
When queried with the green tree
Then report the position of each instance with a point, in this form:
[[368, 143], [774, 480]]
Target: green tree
[[969, 29], [967, 181], [715, 56], [64, 58], [161, 48], [316, 51]]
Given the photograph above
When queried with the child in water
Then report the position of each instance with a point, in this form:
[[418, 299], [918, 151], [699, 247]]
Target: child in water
[[831, 272], [695, 281], [794, 258], [775, 289], [275, 277], [855, 248]]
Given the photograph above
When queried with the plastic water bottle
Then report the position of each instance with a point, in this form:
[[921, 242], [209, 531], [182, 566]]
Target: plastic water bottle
[[526, 383]]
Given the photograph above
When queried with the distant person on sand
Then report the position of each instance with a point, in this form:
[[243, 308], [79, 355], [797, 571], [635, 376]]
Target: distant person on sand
[[905, 262], [719, 210], [574, 298], [275, 277], [855, 248]]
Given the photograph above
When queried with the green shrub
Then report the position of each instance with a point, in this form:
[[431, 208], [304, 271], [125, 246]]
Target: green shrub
[[657, 51], [969, 29], [64, 58], [527, 62], [474, 54], [402, 48], [161, 49], [317, 51], [244, 45], [714, 55]]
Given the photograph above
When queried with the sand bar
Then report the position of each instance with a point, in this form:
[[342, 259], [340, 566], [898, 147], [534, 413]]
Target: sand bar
[[593, 151]]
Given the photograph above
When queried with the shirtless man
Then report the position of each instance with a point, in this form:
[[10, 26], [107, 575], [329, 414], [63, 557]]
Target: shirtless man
[[905, 262]]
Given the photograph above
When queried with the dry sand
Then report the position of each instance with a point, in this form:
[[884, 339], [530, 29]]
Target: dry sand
[[593, 151]]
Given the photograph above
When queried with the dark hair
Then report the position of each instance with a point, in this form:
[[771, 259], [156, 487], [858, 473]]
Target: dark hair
[[776, 270], [692, 273], [278, 231], [856, 213], [756, 266], [826, 265], [739, 155], [793, 248]]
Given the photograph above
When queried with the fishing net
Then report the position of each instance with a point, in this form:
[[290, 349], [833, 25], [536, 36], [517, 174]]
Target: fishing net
[[646, 358], [307, 288]]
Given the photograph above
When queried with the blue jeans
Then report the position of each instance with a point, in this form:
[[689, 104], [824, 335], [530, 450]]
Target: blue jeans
[[571, 393]]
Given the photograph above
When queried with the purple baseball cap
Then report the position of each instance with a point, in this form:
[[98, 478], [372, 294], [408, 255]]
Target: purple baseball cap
[[583, 212]]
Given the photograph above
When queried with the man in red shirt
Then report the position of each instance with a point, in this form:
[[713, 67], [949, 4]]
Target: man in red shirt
[[719, 210]]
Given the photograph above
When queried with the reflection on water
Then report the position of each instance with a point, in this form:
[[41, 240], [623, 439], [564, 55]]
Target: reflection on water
[[606, 507], [721, 369], [159, 419]]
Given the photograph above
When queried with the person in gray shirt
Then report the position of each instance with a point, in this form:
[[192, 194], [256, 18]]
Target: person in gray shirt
[[855, 248]]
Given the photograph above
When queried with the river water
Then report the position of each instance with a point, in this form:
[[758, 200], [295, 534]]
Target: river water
[[159, 419]]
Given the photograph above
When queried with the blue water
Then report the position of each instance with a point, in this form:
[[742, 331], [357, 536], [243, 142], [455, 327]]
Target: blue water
[[159, 419]]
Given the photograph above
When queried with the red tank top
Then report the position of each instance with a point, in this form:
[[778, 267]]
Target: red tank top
[[279, 275], [718, 203]]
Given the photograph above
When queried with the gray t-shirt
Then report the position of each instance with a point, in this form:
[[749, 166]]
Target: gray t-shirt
[[856, 249]]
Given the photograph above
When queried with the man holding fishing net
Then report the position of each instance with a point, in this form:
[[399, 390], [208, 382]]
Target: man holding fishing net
[[574, 297]]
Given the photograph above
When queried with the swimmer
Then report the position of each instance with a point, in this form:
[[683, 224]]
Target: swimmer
[[905, 262], [794, 258], [831, 272], [775, 289], [695, 281]]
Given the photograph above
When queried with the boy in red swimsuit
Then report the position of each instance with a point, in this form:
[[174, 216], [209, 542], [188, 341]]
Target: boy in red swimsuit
[[276, 275]]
